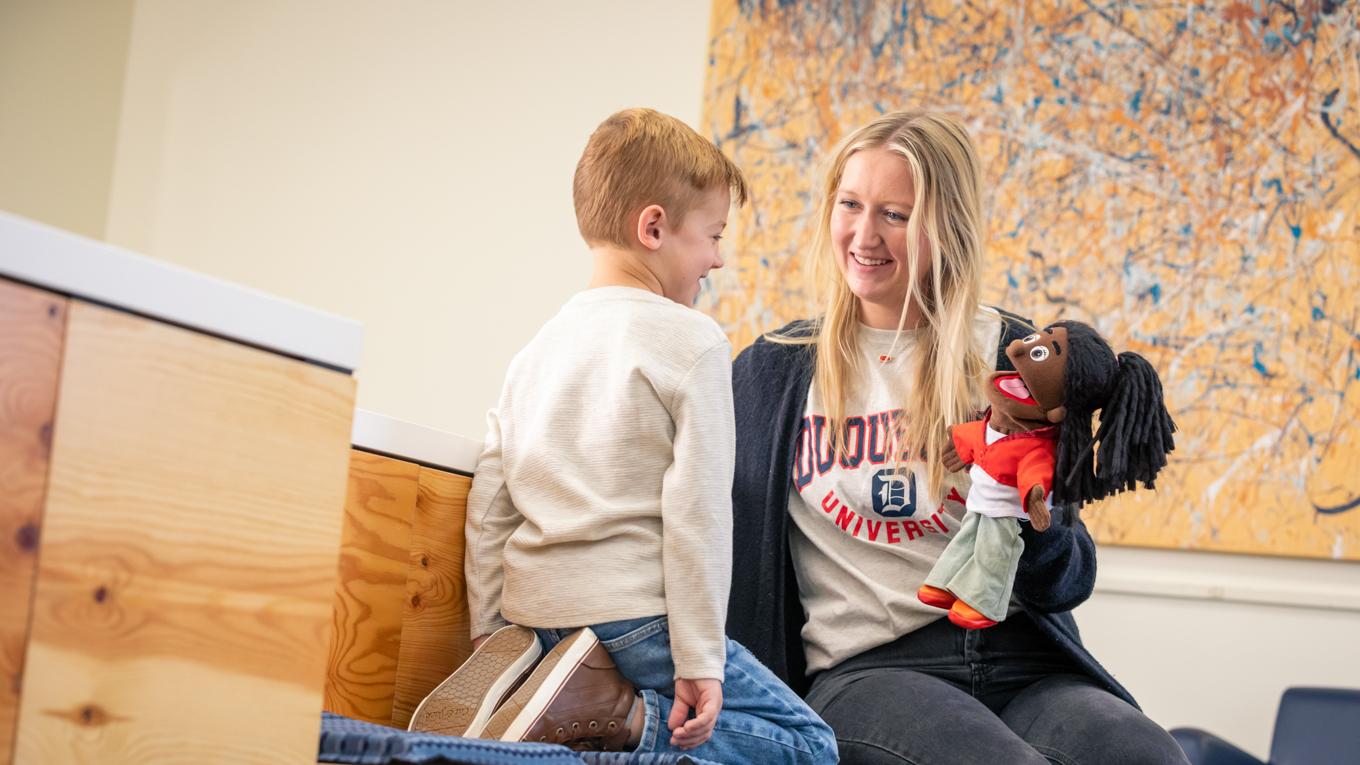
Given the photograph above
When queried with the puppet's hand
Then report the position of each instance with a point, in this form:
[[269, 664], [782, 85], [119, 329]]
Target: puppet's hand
[[952, 461], [1039, 517]]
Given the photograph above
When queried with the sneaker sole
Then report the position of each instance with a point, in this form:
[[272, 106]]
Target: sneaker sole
[[519, 713], [979, 623], [466, 700], [945, 601]]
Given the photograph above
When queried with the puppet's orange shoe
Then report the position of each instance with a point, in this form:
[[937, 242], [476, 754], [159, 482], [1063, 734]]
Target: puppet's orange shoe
[[934, 596], [967, 617]]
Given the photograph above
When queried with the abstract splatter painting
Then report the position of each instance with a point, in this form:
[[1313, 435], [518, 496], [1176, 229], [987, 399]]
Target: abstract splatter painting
[[1184, 176]]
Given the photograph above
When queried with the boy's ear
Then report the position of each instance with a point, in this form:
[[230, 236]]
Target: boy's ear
[[650, 224]]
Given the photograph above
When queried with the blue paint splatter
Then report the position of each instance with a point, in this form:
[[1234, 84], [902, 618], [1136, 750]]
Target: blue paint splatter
[[1256, 362], [1155, 291], [1010, 279], [738, 130], [1275, 184], [998, 97], [1318, 314], [1341, 508], [1296, 230], [1136, 103]]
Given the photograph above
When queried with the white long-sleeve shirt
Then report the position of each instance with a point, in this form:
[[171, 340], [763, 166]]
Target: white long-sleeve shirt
[[604, 489]]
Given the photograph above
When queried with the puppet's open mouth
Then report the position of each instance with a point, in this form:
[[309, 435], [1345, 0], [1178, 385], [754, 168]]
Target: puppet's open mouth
[[1011, 386]]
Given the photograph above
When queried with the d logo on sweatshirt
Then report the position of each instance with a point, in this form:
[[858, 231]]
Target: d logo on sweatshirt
[[894, 493]]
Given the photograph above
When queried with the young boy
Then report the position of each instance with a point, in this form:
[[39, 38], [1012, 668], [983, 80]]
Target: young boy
[[602, 499]]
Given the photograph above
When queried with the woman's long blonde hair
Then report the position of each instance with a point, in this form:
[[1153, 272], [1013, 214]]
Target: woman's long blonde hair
[[948, 211]]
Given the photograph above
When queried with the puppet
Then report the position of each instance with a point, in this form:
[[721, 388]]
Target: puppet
[[1034, 449]]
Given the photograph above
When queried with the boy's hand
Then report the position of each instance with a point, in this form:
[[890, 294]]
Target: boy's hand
[[477, 641], [704, 696]]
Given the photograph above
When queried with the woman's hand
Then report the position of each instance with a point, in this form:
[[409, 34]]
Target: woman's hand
[[952, 461], [704, 696]]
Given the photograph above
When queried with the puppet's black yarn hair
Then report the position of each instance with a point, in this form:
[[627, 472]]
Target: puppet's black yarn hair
[[1135, 429], [1089, 378]]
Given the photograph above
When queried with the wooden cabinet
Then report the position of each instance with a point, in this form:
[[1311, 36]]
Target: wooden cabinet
[[401, 619], [187, 535], [32, 326]]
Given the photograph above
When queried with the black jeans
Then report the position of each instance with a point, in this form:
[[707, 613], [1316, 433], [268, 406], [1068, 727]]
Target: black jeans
[[1000, 696]]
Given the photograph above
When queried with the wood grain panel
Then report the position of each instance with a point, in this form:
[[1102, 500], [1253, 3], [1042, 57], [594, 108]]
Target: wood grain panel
[[435, 623], [190, 545], [375, 542], [32, 323]]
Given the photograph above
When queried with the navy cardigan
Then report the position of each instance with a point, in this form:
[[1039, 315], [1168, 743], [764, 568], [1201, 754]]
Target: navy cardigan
[[770, 385]]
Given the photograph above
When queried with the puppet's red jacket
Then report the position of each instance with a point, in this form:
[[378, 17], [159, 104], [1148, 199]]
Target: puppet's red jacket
[[1009, 465]]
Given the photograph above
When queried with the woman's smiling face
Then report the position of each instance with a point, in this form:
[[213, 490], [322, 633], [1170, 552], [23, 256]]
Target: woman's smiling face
[[874, 202]]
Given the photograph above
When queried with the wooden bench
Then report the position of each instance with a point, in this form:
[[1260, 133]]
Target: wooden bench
[[172, 470], [401, 622]]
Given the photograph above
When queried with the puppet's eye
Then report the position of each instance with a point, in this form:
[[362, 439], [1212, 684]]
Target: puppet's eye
[[1039, 353], [1029, 340]]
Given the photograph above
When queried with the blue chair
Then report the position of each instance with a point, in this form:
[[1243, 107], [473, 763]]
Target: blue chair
[[1314, 726]]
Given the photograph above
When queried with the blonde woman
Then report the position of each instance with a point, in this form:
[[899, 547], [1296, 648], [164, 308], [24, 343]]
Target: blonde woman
[[842, 504]]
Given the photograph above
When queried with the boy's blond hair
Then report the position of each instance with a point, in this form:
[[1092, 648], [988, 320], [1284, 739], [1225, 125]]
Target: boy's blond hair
[[641, 157]]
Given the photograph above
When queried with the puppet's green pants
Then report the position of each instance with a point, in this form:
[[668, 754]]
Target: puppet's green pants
[[978, 566]]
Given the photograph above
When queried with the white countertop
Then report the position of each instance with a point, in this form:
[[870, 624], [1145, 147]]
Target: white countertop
[[406, 440], [73, 265]]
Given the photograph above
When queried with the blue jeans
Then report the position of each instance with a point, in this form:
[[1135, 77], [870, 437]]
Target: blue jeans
[[1005, 694], [761, 721]]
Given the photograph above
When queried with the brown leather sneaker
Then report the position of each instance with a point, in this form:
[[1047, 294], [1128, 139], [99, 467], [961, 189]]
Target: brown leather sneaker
[[462, 704], [575, 697]]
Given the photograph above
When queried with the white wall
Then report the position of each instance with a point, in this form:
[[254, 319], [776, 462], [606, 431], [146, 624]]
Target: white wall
[[406, 164], [1211, 641], [61, 79]]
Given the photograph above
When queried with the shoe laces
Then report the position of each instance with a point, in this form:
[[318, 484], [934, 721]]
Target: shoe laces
[[591, 740]]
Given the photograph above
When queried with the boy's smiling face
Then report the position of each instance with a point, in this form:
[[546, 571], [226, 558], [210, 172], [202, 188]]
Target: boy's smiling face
[[689, 251]]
